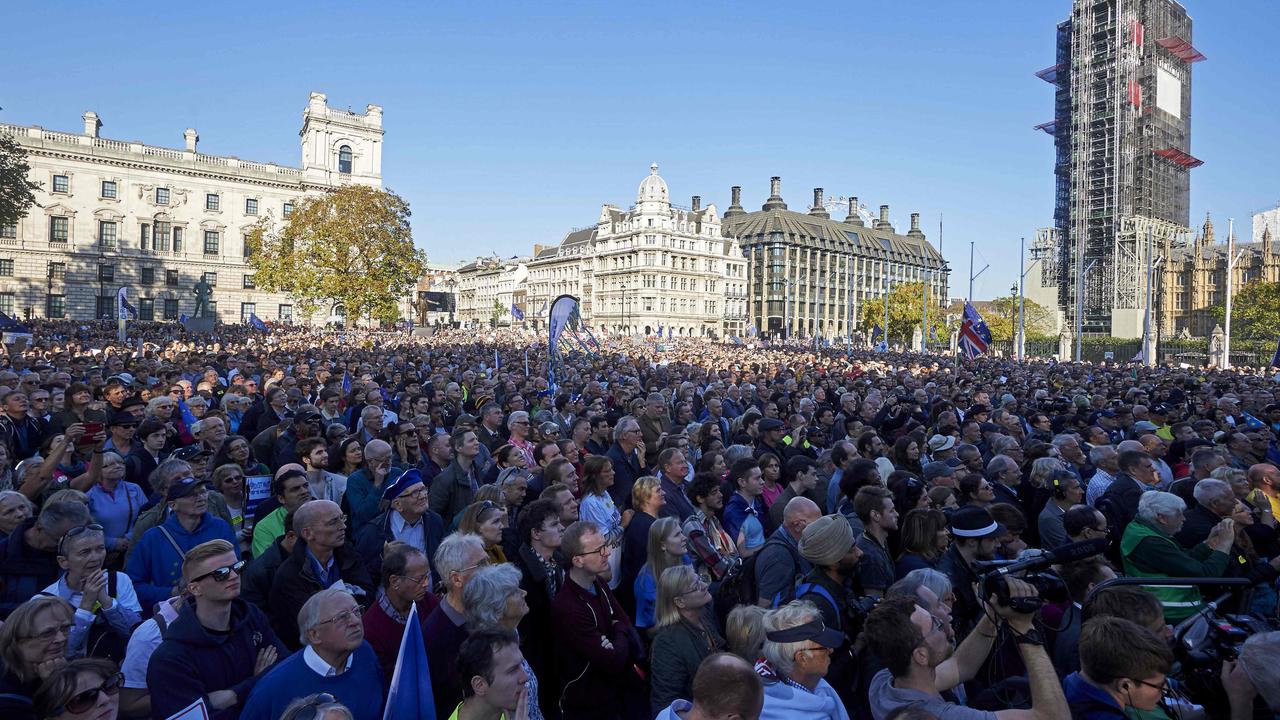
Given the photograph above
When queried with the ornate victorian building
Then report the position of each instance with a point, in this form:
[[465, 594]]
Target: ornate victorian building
[[115, 213], [655, 267]]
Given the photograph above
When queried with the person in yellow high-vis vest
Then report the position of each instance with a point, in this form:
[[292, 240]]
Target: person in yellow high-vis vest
[[1149, 550]]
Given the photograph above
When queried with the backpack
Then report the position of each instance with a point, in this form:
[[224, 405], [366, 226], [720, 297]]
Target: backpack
[[739, 587]]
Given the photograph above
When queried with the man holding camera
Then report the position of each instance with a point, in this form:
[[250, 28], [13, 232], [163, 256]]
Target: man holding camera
[[973, 535], [921, 663]]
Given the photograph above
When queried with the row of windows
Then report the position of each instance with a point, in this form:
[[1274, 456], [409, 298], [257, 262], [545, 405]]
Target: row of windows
[[107, 273], [56, 308], [109, 190], [159, 236]]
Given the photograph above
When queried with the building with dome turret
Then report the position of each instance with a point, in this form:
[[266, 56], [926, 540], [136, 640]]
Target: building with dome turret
[[653, 268]]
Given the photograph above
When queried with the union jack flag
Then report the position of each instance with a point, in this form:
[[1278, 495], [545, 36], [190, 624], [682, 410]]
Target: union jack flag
[[974, 335]]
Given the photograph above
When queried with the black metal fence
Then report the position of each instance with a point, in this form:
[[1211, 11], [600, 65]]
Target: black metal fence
[[1193, 352]]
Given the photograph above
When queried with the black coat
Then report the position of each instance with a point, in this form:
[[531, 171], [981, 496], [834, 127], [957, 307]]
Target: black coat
[[371, 539], [677, 651], [1120, 503], [24, 570], [537, 638], [295, 581]]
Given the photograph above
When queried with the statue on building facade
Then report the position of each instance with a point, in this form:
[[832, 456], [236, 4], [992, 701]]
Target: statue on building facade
[[203, 291]]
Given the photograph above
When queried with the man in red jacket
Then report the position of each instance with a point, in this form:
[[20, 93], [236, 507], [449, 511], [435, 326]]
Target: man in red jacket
[[598, 644]]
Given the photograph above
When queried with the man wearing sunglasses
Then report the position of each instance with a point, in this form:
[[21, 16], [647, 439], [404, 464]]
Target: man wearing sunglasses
[[219, 645]]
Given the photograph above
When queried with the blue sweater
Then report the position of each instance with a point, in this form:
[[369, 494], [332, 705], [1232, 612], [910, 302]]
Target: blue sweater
[[116, 511], [156, 567], [360, 688]]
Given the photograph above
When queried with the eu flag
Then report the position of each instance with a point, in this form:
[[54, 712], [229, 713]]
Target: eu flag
[[410, 687], [257, 323], [1275, 359]]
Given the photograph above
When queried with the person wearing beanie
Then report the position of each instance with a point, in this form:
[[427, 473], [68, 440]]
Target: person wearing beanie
[[830, 545]]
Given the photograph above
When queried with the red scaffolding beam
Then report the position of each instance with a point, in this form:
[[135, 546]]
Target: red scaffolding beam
[[1179, 157], [1181, 49]]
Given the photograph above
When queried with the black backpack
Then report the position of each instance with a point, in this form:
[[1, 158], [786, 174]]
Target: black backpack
[[739, 586]]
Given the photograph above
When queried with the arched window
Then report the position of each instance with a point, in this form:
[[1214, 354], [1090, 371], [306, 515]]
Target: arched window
[[344, 159]]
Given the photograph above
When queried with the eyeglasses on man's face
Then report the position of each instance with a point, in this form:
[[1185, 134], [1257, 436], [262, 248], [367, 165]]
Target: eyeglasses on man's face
[[603, 551], [345, 616], [222, 574]]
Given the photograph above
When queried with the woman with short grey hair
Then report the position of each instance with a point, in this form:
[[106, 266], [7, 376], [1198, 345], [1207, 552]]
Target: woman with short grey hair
[[493, 599]]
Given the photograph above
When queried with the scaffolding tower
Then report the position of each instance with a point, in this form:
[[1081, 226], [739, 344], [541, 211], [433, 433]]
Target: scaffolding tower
[[1122, 137]]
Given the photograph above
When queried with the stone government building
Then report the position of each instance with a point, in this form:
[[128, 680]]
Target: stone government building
[[113, 213]]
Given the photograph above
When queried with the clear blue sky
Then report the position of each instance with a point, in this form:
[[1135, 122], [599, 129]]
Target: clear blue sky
[[508, 123]]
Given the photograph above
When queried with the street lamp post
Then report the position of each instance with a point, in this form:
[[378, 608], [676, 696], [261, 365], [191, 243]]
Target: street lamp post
[[1080, 306]]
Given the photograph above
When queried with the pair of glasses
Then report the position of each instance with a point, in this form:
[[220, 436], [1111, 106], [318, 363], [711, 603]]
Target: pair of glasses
[[698, 586], [48, 634], [483, 563], [342, 617], [1162, 687], [82, 702], [311, 709], [222, 574], [602, 551], [94, 527]]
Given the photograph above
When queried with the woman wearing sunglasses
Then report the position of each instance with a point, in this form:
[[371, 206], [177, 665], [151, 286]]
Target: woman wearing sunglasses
[[84, 689]]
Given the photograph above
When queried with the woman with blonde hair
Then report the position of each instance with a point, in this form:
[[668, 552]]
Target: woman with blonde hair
[[647, 499], [686, 634], [744, 631], [33, 644], [486, 519], [666, 548], [1042, 471]]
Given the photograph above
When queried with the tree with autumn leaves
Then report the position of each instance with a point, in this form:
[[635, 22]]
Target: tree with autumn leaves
[[351, 246]]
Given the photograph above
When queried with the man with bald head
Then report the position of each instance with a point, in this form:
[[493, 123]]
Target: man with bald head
[[320, 559], [364, 486], [1264, 478], [779, 562], [725, 686]]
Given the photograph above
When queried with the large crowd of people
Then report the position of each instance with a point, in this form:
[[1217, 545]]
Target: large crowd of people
[[686, 530]]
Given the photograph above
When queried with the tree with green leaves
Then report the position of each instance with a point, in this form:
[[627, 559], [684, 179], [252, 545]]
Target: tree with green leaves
[[1255, 311], [17, 193], [1002, 319], [351, 246], [905, 306]]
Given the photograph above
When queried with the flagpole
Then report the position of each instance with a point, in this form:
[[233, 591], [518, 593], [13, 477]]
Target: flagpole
[[1022, 281]]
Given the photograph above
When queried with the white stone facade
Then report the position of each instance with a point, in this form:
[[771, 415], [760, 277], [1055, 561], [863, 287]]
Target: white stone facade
[[114, 213], [487, 288], [1264, 220], [653, 267]]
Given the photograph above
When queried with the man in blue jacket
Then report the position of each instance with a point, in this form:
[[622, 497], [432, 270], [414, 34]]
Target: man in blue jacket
[[218, 646], [155, 566]]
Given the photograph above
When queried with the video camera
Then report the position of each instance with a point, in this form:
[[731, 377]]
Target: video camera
[[1036, 570], [1205, 640]]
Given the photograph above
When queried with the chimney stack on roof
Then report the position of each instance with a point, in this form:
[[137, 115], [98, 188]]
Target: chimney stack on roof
[[853, 217], [775, 201], [697, 203], [818, 209], [915, 231], [735, 202], [91, 124], [883, 223], [192, 138]]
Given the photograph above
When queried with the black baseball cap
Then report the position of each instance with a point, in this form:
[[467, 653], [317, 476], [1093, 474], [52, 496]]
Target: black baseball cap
[[183, 487]]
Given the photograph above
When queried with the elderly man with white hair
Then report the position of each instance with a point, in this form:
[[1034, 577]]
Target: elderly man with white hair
[[335, 660], [797, 654], [1149, 550], [1215, 500]]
